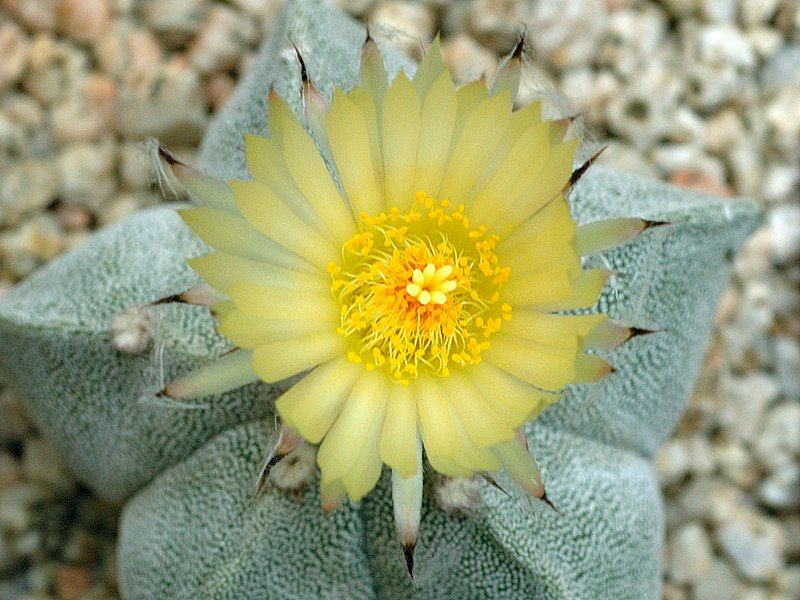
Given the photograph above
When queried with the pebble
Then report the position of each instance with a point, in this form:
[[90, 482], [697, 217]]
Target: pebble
[[54, 68], [781, 489], [33, 242], [690, 553], [495, 24], [14, 50], [778, 442], [757, 12], [126, 49], [89, 114], [671, 462], [87, 172], [711, 499], [416, 23], [36, 15], [784, 224], [467, 60], [754, 543], [176, 21], [71, 582], [787, 365], [25, 188], [717, 582], [221, 40], [83, 20], [42, 464], [165, 102]]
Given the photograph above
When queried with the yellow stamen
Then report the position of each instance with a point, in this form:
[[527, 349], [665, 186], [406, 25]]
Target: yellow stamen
[[419, 291]]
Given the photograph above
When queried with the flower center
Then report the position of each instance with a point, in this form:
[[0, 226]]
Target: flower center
[[419, 291]]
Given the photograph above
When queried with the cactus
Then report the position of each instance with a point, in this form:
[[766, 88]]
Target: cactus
[[89, 344]]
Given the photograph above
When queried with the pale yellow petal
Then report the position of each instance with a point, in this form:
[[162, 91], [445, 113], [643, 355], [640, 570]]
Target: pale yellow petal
[[601, 235], [554, 219], [278, 360], [482, 424], [545, 286], [231, 234], [206, 190], [362, 414], [512, 177], [228, 372], [430, 68], [585, 290], [559, 331], [436, 131], [248, 332], [372, 72], [351, 146], [266, 164], [437, 419], [398, 447], [265, 211], [311, 405], [542, 366], [222, 270], [313, 180], [477, 141], [519, 401], [553, 178], [271, 303], [400, 130], [521, 467]]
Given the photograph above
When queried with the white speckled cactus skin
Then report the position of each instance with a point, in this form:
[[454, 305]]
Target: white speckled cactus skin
[[192, 529]]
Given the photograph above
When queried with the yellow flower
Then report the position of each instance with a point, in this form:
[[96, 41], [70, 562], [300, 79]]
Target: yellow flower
[[425, 276]]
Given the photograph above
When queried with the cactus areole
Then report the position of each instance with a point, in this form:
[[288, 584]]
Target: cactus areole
[[412, 248]]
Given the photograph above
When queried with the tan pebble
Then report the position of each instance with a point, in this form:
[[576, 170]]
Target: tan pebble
[[124, 49], [72, 582], [71, 217], [468, 60], [87, 172], [54, 69], [702, 182], [37, 15], [14, 48], [86, 116], [83, 20], [219, 89], [414, 22], [222, 38]]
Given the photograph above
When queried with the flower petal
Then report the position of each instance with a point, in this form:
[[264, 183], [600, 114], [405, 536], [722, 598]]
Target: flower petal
[[507, 394], [558, 331], [312, 405], [477, 141], [483, 425], [585, 292], [400, 129], [437, 419], [542, 366], [221, 270], [436, 127], [399, 439], [351, 143], [275, 361], [360, 420], [430, 68], [231, 234], [521, 467], [267, 213], [228, 372], [271, 303], [247, 332]]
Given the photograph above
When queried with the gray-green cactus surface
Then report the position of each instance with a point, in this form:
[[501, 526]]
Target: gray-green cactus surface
[[193, 529]]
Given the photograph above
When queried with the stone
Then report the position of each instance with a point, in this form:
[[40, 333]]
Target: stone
[[36, 15], [671, 462], [779, 439], [689, 553], [781, 489], [787, 365], [720, 11], [221, 39], [42, 464], [87, 172], [466, 59], [754, 544], [14, 50], [165, 101], [176, 21], [54, 69], [494, 24], [746, 398], [26, 187], [784, 224], [717, 582], [725, 44], [72, 582], [568, 32], [735, 463], [83, 20], [415, 22], [127, 49], [753, 12], [711, 499], [136, 166], [37, 240], [88, 114]]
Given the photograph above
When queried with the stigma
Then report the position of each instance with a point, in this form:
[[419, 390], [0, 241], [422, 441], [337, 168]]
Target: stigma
[[431, 284]]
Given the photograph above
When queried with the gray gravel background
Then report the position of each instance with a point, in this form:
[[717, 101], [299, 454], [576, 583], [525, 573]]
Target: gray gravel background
[[702, 93]]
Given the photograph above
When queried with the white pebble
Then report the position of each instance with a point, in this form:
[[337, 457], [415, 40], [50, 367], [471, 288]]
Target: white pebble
[[754, 543], [690, 554]]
